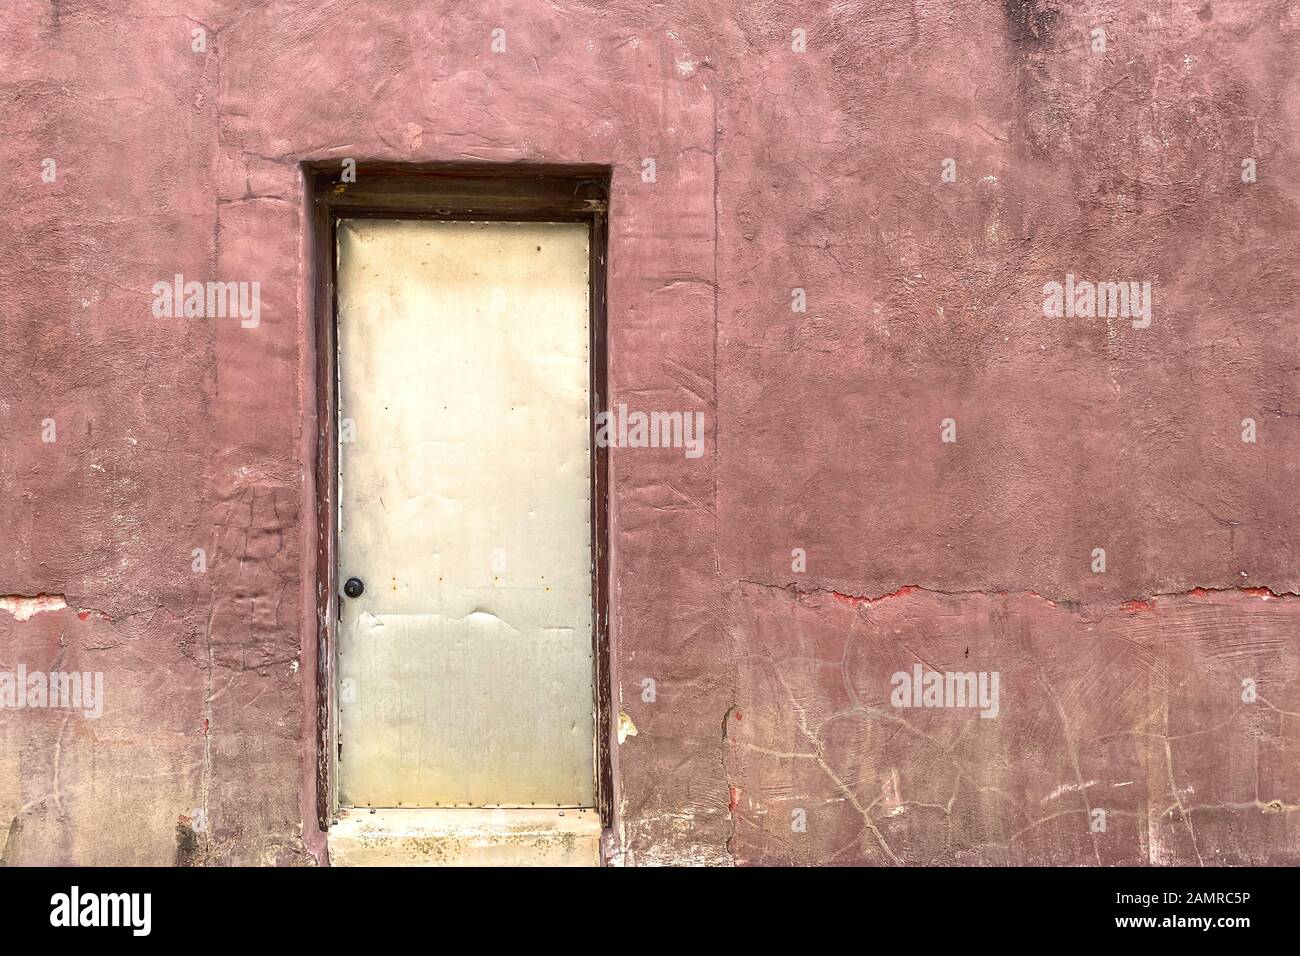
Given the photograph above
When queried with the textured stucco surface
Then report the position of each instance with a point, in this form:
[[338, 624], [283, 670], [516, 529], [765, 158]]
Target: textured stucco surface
[[775, 170]]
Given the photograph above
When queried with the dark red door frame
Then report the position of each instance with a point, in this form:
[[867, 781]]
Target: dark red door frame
[[446, 191]]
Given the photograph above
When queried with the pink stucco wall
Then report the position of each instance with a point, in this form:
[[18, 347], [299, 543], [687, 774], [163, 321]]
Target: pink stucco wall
[[776, 170]]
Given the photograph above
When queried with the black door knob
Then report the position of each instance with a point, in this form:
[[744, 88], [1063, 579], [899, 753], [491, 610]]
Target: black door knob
[[353, 587]]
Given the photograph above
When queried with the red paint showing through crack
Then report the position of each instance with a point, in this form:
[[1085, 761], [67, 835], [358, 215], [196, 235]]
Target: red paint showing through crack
[[858, 601], [1268, 594], [1138, 606]]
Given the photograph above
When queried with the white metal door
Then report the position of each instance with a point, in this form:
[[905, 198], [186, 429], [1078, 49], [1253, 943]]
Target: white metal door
[[465, 664]]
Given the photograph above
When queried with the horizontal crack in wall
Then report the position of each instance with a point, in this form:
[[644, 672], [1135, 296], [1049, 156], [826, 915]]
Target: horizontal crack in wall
[[1132, 605]]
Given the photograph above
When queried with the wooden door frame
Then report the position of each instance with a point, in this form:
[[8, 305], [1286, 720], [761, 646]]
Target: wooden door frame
[[440, 191]]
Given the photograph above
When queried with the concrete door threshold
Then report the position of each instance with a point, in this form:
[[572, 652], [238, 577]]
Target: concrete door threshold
[[464, 837]]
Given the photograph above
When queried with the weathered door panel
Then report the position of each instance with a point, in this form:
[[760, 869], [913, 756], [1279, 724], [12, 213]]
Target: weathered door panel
[[465, 464]]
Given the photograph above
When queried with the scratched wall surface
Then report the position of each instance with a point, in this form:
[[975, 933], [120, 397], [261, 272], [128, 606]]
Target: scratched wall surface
[[828, 538]]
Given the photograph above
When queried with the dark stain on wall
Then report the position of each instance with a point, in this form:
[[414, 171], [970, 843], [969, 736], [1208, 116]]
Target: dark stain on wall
[[1030, 21], [187, 845]]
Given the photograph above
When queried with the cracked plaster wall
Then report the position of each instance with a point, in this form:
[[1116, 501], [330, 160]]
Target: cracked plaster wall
[[775, 170]]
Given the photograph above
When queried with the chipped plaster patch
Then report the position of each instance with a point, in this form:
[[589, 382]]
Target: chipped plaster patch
[[626, 728], [23, 608]]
